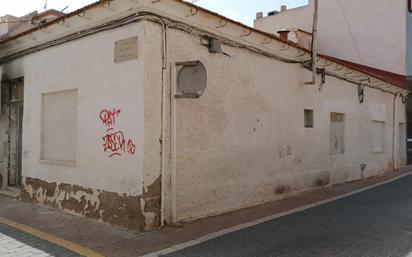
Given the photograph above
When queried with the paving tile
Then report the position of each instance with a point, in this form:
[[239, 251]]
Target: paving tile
[[17, 243]]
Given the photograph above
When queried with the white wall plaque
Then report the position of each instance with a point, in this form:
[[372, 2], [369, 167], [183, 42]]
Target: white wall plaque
[[125, 50]]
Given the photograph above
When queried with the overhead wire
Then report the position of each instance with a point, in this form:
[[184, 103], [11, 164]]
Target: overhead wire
[[174, 24]]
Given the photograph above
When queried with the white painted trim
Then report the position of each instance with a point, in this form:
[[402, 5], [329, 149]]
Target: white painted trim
[[226, 231]]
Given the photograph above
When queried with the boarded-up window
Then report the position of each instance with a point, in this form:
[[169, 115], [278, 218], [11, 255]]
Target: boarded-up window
[[59, 124], [336, 135], [378, 133]]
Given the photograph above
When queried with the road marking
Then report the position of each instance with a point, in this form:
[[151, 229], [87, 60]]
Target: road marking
[[226, 231], [76, 248]]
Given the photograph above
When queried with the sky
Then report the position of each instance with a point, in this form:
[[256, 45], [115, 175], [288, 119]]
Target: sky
[[239, 10], [245, 10]]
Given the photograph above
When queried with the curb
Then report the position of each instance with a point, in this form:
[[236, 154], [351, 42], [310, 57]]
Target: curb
[[226, 231]]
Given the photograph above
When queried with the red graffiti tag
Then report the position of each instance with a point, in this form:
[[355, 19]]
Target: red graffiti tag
[[115, 141], [116, 144], [108, 117], [131, 147]]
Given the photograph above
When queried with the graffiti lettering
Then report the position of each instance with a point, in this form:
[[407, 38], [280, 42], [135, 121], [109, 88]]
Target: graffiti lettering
[[108, 117], [131, 147], [114, 141]]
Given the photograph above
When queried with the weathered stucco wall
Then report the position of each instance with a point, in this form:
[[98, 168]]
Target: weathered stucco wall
[[88, 66], [107, 180], [240, 144], [347, 30], [243, 142]]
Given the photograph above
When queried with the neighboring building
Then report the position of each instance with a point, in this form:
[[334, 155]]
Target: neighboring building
[[11, 25], [368, 32], [374, 33], [141, 112]]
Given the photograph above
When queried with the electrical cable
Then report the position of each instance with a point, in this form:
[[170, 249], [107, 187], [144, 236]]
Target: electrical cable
[[138, 16], [154, 17]]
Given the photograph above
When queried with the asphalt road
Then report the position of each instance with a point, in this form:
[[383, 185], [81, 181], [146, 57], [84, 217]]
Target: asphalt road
[[375, 223]]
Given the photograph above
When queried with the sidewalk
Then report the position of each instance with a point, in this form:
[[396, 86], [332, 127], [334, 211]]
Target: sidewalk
[[112, 241]]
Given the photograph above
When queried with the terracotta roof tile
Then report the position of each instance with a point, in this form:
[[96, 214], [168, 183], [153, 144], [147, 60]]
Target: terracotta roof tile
[[390, 77]]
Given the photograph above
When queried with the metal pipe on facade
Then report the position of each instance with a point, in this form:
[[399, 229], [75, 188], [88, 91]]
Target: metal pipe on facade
[[163, 156], [173, 216], [394, 133]]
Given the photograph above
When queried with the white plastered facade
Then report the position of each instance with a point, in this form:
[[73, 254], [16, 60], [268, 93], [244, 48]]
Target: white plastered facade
[[236, 146]]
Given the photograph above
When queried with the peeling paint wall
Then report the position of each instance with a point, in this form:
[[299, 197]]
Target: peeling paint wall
[[153, 122], [109, 207], [108, 179], [243, 142], [101, 84]]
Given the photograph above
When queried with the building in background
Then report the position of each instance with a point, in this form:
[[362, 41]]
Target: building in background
[[368, 32], [141, 113], [11, 25], [372, 33]]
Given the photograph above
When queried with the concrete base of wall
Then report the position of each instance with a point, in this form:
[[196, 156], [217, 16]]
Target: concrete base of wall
[[141, 212], [131, 212]]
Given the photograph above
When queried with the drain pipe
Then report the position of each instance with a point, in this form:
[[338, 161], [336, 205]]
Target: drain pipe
[[163, 116], [163, 113], [394, 134]]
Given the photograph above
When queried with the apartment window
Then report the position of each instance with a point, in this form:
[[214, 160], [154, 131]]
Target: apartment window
[[59, 124], [308, 118], [336, 136], [378, 136]]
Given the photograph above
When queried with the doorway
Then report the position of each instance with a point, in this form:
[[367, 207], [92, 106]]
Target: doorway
[[14, 93]]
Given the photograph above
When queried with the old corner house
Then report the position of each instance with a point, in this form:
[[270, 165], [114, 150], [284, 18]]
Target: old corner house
[[142, 112]]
